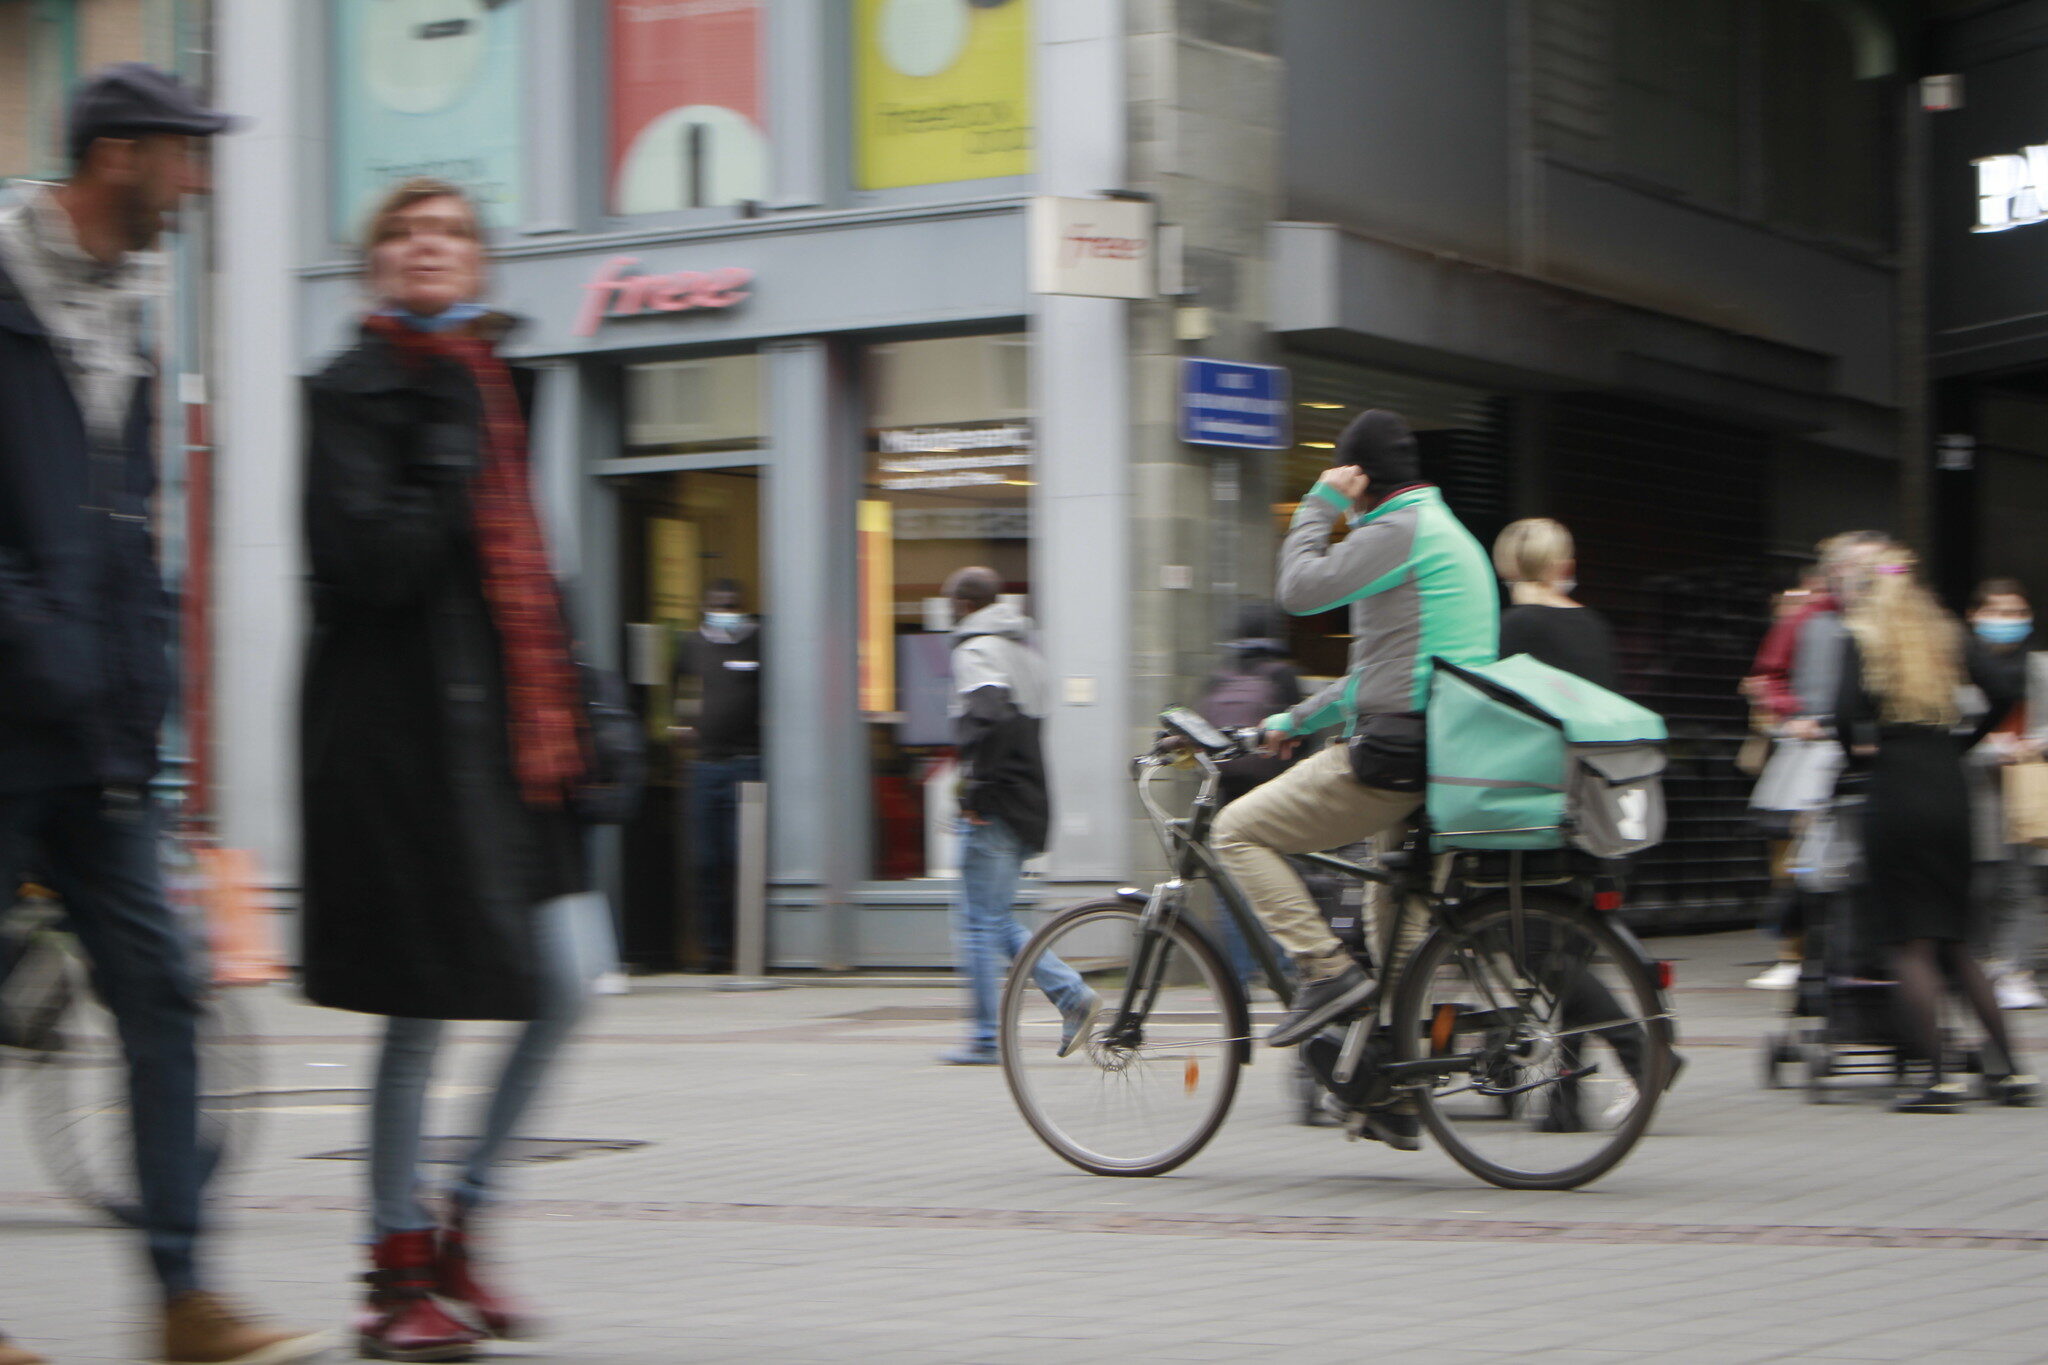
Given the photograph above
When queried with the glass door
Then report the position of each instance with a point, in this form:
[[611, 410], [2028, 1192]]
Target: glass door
[[693, 616]]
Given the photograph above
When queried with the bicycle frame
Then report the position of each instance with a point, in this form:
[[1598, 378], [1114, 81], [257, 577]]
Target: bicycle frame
[[1185, 842]]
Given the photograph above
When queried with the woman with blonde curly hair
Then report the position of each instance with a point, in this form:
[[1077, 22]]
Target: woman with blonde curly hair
[[1898, 717]]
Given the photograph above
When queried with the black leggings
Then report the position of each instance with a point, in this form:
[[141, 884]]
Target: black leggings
[[1920, 964]]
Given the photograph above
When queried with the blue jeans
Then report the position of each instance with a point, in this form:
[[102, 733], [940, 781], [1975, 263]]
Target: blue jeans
[[987, 936], [714, 840], [406, 1064], [103, 860]]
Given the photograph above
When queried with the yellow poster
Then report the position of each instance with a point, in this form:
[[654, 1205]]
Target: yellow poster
[[674, 571], [675, 596], [942, 90], [877, 608]]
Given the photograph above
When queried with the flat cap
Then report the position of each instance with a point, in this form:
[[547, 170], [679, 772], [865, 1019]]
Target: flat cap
[[128, 98]]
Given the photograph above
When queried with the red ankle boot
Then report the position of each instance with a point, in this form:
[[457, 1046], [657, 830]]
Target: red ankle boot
[[455, 1278], [401, 1320]]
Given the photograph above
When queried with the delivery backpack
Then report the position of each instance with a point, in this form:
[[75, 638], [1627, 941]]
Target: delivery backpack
[[1526, 756]]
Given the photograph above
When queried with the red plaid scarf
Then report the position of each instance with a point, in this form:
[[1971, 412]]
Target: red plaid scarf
[[542, 699]]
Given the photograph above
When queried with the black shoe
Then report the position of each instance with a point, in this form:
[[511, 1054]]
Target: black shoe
[[1321, 1002], [2019, 1090], [1945, 1098], [1400, 1129]]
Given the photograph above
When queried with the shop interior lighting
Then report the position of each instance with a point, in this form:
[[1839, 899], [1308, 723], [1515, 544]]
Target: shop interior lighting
[[1320, 445], [1323, 407]]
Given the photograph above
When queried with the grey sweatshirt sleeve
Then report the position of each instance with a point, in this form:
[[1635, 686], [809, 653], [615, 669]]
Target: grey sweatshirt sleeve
[[1316, 575]]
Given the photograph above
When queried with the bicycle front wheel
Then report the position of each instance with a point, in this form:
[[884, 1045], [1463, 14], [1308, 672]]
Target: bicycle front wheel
[[1539, 1040], [1151, 1081], [78, 1097]]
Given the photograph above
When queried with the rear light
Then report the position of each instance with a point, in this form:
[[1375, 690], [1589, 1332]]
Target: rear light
[[1607, 901], [1664, 975]]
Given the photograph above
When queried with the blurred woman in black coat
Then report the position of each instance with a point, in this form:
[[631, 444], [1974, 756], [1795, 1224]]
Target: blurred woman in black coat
[[442, 734], [1898, 716]]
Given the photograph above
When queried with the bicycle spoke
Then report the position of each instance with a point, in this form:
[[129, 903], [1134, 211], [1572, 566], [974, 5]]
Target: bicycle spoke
[[1123, 1107]]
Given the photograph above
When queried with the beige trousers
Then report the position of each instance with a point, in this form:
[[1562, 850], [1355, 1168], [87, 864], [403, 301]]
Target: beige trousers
[[1315, 805]]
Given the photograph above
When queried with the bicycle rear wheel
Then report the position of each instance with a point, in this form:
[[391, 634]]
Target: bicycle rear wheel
[[1140, 1096], [78, 1099], [1552, 1035]]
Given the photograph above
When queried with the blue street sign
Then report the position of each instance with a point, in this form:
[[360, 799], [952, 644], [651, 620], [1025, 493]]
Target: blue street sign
[[1223, 403]]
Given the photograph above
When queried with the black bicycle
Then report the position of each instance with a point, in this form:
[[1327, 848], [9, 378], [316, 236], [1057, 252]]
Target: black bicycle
[[1528, 1029], [58, 1040]]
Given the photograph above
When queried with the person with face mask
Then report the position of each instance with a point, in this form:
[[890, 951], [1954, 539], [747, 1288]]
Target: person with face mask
[[2006, 910], [1535, 559], [718, 709]]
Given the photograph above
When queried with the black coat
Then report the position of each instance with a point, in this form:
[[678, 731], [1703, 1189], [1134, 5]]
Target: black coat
[[84, 619], [423, 866]]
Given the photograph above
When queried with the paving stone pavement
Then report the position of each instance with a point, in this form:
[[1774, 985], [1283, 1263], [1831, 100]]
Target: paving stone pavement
[[815, 1188]]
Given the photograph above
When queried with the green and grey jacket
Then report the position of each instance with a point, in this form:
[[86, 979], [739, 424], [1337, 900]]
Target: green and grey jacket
[[1418, 585]]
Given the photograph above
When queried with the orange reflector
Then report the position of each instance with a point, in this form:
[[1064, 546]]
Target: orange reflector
[[1441, 1026], [1193, 1075]]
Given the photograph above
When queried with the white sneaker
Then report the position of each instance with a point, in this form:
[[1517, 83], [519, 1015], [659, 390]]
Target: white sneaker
[[1782, 976], [1618, 1108], [2017, 991]]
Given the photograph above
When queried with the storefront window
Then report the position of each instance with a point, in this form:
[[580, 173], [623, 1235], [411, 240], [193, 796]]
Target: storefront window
[[427, 87], [948, 486], [942, 91], [689, 407], [686, 105]]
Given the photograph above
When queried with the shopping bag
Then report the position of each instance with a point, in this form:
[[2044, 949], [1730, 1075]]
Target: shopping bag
[[1800, 776], [2026, 803], [243, 931], [1829, 854]]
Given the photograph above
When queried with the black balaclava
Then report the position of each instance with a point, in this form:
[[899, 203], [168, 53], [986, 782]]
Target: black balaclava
[[1380, 443]]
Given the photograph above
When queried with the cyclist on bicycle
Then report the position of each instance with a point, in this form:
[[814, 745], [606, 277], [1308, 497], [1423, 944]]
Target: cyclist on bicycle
[[1419, 587]]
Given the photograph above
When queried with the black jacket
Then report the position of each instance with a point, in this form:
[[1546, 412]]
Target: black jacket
[[85, 677], [1000, 688], [422, 864]]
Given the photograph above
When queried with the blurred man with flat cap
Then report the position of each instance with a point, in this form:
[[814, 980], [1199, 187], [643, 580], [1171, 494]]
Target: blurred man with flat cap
[[84, 621]]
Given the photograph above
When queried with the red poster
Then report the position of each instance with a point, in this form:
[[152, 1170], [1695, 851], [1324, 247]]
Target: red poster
[[686, 105]]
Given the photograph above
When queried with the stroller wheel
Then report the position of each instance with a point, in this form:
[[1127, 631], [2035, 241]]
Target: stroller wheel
[[1770, 1058], [1819, 1066]]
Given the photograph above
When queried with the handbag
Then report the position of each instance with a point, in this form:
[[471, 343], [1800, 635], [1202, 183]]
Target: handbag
[[2026, 803], [610, 790], [1829, 854], [1800, 776], [1388, 752], [1756, 745]]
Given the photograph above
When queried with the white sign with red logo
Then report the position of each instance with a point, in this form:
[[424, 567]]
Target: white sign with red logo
[[1099, 247], [621, 290]]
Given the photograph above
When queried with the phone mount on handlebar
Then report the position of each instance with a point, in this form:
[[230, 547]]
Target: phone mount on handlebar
[[1190, 726]]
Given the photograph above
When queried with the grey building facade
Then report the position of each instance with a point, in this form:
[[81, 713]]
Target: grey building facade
[[788, 335]]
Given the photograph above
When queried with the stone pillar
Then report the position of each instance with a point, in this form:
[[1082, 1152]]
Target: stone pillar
[[1080, 510], [817, 762], [1206, 102], [258, 565]]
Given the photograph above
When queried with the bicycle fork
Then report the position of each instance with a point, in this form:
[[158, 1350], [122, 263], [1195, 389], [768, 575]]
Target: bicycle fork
[[1148, 962]]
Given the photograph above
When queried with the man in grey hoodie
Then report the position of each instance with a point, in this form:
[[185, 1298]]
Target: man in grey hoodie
[[1000, 697]]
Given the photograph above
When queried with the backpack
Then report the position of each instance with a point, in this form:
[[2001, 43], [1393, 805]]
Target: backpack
[[1526, 756], [1236, 701], [1241, 700]]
